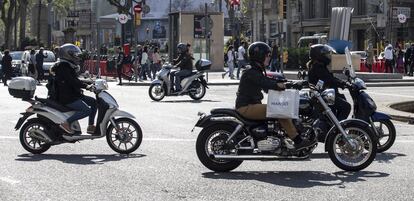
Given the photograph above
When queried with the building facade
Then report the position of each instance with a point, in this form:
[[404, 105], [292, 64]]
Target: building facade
[[372, 21]]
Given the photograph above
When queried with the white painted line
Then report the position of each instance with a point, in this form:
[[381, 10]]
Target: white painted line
[[392, 95], [10, 181], [169, 139], [9, 137]]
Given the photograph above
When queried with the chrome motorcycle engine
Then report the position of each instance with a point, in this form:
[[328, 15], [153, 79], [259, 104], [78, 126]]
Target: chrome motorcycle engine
[[269, 144]]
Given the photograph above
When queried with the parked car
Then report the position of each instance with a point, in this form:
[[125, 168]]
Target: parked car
[[363, 54], [17, 57], [48, 62]]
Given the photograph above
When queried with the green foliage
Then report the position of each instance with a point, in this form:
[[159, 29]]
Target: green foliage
[[26, 42], [297, 57], [62, 6]]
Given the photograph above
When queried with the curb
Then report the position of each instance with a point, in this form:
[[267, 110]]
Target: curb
[[400, 111]]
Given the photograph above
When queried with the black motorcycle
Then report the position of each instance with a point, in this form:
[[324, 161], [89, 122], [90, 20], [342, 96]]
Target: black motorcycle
[[227, 138]]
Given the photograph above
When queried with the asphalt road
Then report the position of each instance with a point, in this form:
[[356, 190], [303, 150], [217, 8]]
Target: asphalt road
[[166, 167]]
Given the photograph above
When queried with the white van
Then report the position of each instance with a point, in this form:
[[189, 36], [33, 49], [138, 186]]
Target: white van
[[305, 41]]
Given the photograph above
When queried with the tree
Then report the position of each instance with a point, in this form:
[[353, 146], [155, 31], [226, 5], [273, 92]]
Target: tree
[[23, 15], [7, 8]]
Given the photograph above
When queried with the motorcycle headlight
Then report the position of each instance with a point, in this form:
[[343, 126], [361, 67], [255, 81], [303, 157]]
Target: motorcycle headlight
[[329, 96]]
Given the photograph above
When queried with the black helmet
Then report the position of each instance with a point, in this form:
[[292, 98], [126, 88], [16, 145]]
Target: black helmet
[[70, 53], [258, 52], [182, 48], [321, 52]]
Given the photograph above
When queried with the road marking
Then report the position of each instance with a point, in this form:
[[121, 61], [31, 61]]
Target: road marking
[[10, 181], [396, 95]]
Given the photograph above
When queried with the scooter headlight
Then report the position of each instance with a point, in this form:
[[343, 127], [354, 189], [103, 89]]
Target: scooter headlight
[[101, 85], [329, 96]]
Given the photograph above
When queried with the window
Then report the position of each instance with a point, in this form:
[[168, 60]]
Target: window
[[273, 28], [360, 7], [311, 9], [326, 8], [343, 3]]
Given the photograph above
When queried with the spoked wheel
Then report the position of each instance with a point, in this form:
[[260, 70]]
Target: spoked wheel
[[353, 154], [127, 139], [387, 134], [197, 90], [156, 92], [211, 141], [30, 138]]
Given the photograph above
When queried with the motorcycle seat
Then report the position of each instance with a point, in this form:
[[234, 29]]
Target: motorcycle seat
[[234, 113], [53, 104]]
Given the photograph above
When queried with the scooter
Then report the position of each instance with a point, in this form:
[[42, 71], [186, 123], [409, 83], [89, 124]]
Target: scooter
[[38, 134], [193, 85]]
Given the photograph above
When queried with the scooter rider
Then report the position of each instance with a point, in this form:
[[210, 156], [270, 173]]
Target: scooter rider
[[249, 94], [69, 88], [184, 62], [320, 56]]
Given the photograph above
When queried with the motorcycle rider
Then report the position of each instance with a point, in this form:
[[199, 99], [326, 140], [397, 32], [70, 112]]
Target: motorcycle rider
[[69, 88], [320, 56], [184, 62], [249, 94]]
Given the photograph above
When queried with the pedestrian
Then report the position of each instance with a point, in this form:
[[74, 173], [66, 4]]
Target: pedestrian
[[241, 58], [137, 62], [230, 63], [157, 62], [151, 61], [119, 63], [409, 58], [39, 64], [399, 60], [370, 57], [144, 65], [32, 65], [389, 58], [6, 63], [274, 66]]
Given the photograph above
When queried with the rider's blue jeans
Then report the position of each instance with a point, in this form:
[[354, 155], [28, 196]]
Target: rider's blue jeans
[[85, 106]]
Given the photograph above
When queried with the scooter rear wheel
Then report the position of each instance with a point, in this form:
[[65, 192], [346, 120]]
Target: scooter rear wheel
[[30, 140]]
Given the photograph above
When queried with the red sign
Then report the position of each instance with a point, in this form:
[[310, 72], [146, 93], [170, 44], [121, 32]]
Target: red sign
[[138, 8]]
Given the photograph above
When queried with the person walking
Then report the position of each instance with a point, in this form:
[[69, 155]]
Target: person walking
[[370, 57], [399, 60], [241, 58], [274, 66], [32, 65], [6, 63], [389, 58], [409, 58], [230, 63], [156, 62], [144, 65], [119, 63], [39, 64]]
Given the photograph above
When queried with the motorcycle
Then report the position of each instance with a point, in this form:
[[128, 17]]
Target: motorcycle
[[194, 85], [366, 110], [38, 134], [227, 138]]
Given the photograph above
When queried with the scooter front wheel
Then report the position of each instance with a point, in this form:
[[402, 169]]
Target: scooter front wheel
[[387, 134], [156, 92], [127, 138]]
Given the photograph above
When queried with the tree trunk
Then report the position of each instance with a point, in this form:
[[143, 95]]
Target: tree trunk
[[8, 22], [23, 15]]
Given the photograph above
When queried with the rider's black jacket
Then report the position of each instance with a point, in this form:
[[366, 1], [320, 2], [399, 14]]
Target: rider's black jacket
[[184, 61], [319, 71], [252, 82], [68, 83]]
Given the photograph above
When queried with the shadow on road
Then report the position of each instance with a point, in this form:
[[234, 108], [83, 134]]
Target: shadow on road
[[299, 179], [187, 101], [381, 157], [95, 159]]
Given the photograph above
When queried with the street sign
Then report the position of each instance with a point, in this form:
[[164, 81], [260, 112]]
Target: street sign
[[401, 10], [146, 9], [402, 18], [122, 18], [138, 8]]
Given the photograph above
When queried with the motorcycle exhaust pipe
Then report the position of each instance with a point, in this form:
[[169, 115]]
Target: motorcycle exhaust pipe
[[44, 136], [256, 157]]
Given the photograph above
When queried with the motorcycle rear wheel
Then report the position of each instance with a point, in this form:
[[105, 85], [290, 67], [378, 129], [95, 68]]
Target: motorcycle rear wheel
[[352, 159], [210, 141]]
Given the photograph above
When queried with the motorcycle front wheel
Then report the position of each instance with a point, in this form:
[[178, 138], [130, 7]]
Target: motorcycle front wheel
[[357, 152], [125, 140], [212, 140], [387, 134], [156, 92]]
